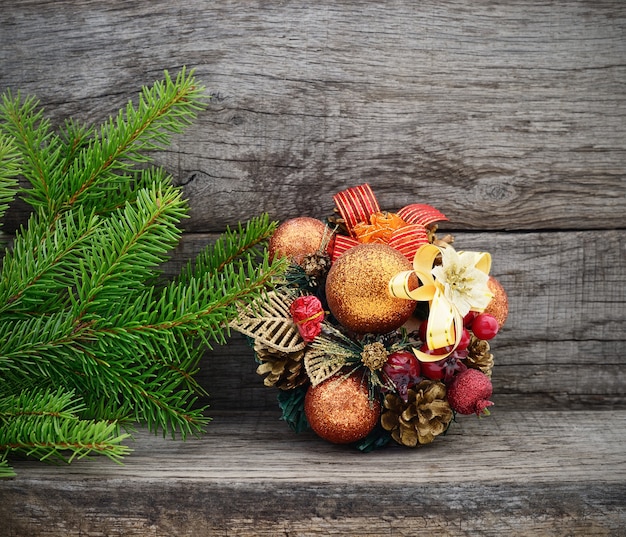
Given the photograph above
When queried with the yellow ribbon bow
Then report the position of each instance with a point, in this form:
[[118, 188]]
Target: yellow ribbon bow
[[453, 288]]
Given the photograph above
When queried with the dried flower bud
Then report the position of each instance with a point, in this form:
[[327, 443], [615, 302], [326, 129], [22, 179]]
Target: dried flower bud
[[374, 355], [307, 314]]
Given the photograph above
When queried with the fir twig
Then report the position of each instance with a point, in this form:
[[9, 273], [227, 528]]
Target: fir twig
[[91, 339], [40, 265], [247, 240], [46, 424], [38, 146], [9, 169]]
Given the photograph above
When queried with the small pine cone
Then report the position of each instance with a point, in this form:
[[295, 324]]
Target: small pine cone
[[283, 370], [447, 240], [425, 415], [432, 236], [374, 356], [316, 266], [478, 356]]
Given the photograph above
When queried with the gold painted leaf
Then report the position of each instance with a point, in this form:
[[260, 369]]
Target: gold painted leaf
[[319, 365], [269, 322]]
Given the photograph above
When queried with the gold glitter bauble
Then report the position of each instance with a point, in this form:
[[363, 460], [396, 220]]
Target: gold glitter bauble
[[297, 238], [357, 289], [339, 409], [499, 305]]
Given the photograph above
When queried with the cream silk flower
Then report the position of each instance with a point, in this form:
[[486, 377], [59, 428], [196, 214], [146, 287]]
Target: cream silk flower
[[453, 288], [462, 281]]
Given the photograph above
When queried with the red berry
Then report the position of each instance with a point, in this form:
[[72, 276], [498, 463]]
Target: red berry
[[435, 352], [403, 361], [465, 340], [422, 330], [433, 370], [485, 326], [469, 318]]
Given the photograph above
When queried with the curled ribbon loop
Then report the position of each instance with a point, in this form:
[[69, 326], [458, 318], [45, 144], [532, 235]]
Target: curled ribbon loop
[[445, 317], [404, 231]]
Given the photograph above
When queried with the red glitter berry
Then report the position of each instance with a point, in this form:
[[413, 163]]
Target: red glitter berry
[[469, 392]]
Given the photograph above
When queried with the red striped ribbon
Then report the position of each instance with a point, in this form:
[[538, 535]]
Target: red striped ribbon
[[420, 213], [356, 204]]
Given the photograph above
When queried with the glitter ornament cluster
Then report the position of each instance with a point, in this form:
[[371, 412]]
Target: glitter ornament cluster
[[380, 331]]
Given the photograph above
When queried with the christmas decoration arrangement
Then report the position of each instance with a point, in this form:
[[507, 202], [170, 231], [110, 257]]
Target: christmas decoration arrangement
[[380, 331], [93, 337]]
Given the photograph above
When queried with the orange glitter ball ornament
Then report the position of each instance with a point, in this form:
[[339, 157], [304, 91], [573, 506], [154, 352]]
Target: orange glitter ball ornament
[[297, 238], [499, 305], [339, 409], [357, 289]]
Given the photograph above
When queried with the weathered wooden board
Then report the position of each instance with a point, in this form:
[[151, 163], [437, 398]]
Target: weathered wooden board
[[509, 116], [512, 473], [505, 115]]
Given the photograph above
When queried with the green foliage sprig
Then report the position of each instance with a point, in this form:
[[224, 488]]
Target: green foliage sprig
[[92, 338]]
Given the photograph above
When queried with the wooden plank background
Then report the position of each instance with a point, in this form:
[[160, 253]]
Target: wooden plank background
[[507, 116], [279, 483]]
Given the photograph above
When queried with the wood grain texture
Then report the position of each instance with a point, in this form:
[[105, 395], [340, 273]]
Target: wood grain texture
[[505, 115], [513, 473], [508, 116]]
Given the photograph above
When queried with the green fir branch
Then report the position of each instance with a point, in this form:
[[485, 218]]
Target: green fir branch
[[75, 137], [40, 266], [144, 379], [39, 147], [51, 437], [37, 346], [130, 245], [58, 403], [92, 339], [9, 169], [6, 470], [247, 240], [46, 424], [98, 170]]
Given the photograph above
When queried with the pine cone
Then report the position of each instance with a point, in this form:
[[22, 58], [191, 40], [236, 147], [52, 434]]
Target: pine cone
[[283, 370], [445, 241], [425, 415], [316, 266], [478, 356]]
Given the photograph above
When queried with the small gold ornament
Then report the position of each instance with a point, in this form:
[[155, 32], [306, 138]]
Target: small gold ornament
[[299, 237], [357, 289]]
